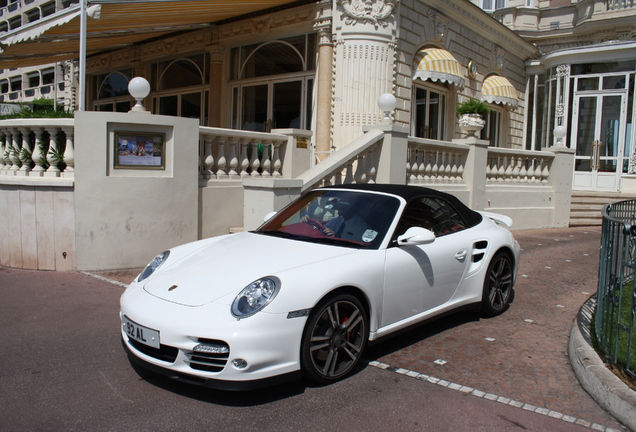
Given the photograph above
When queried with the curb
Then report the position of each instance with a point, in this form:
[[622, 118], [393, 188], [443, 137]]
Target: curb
[[609, 391]]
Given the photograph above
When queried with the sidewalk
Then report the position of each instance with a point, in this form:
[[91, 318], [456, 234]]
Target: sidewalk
[[521, 356]]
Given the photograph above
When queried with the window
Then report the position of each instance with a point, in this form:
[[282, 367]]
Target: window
[[48, 76], [182, 87], [434, 214], [112, 91], [273, 84], [492, 5], [16, 84], [4, 86], [34, 79], [492, 129], [429, 114]]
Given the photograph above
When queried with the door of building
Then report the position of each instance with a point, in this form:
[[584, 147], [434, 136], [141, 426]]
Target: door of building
[[598, 133]]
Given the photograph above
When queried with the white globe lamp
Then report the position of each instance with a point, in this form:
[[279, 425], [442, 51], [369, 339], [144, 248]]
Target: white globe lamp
[[387, 103], [139, 88], [559, 133]]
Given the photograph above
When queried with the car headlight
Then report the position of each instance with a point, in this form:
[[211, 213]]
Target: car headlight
[[255, 297], [153, 266]]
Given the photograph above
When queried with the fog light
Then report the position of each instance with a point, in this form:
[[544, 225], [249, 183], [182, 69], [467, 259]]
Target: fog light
[[239, 363]]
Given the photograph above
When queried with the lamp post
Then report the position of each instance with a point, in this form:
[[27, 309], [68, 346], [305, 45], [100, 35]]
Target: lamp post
[[139, 88]]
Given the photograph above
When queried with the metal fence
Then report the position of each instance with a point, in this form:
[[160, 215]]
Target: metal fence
[[615, 319]]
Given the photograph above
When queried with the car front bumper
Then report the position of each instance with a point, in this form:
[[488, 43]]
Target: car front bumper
[[261, 349]]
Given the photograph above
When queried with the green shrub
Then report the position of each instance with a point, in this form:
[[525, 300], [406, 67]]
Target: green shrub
[[472, 106]]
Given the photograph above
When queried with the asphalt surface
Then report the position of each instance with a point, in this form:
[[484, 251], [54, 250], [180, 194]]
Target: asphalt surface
[[62, 367]]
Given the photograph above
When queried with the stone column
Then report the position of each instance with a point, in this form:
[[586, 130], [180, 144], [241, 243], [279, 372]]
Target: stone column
[[323, 97], [365, 43], [216, 85]]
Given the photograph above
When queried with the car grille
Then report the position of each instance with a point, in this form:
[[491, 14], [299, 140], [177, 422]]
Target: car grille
[[210, 361], [164, 353]]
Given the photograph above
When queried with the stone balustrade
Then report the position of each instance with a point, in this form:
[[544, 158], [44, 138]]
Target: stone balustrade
[[431, 161], [508, 166], [229, 154], [37, 148], [620, 4], [355, 163]]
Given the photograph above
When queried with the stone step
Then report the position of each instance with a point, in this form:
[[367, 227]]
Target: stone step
[[586, 207]]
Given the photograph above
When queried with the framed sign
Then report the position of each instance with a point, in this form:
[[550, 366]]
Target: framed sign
[[140, 150]]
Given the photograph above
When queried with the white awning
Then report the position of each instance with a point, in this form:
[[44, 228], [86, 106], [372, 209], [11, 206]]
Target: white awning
[[437, 64], [497, 89]]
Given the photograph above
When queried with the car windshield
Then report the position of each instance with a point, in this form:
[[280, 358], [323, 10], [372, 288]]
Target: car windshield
[[337, 217]]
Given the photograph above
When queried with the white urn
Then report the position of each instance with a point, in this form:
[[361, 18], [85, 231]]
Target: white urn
[[470, 124]]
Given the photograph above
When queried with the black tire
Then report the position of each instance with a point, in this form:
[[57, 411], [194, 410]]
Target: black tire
[[334, 338], [498, 285]]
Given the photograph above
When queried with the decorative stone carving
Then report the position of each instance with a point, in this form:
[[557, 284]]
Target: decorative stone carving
[[439, 26], [499, 57], [367, 11], [470, 124]]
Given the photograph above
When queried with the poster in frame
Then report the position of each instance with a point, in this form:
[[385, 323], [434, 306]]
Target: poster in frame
[[140, 150]]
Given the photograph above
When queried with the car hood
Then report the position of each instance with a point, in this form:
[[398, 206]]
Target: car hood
[[223, 267]]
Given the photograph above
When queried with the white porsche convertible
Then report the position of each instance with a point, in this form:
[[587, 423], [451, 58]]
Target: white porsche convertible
[[304, 293]]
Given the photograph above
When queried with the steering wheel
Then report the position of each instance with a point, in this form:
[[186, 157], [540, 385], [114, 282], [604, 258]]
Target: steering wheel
[[317, 225]]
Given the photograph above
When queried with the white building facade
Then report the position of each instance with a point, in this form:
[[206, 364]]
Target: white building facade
[[582, 85]]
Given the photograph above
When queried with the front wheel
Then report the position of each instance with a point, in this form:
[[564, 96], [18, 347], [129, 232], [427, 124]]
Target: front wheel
[[334, 338], [498, 285]]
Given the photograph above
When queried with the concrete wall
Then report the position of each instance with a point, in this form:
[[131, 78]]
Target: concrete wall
[[124, 217]]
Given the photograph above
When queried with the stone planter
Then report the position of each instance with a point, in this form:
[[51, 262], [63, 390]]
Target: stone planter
[[470, 124]]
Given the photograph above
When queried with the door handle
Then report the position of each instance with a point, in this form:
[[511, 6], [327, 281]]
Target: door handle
[[459, 256]]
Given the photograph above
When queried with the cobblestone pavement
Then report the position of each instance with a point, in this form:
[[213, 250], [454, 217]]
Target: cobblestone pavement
[[521, 354]]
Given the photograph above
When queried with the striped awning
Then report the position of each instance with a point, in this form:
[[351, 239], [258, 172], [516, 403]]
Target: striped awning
[[437, 64], [497, 89]]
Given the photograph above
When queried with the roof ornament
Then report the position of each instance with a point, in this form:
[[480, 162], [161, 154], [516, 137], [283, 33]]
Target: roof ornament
[[368, 11]]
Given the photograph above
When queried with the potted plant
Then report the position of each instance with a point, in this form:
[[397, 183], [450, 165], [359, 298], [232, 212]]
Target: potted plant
[[470, 113]]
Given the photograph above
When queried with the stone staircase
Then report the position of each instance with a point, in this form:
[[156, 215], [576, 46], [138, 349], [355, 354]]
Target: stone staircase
[[586, 206]]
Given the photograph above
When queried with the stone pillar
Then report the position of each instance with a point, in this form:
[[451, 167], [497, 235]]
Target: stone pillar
[[216, 85], [561, 180], [323, 96], [391, 166], [475, 171], [365, 43]]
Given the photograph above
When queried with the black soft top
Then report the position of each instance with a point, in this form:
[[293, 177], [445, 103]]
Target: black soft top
[[470, 216]]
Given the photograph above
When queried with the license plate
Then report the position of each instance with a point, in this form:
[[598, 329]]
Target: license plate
[[141, 334]]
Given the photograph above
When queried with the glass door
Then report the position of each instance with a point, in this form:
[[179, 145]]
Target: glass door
[[599, 139]]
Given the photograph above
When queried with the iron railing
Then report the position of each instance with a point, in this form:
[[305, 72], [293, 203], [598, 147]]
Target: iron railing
[[615, 319]]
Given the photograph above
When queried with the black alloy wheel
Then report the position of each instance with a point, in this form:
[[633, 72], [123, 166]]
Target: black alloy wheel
[[334, 338], [498, 285]]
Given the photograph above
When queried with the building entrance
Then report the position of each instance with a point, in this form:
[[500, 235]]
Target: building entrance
[[598, 132]]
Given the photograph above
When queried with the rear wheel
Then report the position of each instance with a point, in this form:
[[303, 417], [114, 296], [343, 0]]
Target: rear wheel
[[334, 338], [498, 285]]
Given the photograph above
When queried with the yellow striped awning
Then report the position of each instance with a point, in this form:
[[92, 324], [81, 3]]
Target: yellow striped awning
[[497, 89], [437, 64]]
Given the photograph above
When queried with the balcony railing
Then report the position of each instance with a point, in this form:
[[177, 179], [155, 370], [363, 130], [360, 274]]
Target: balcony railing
[[620, 4]]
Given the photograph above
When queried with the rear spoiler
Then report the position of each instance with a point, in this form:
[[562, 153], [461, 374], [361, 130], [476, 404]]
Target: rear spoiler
[[498, 218]]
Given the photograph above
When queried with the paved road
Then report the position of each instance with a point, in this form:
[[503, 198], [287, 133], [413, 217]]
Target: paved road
[[62, 367]]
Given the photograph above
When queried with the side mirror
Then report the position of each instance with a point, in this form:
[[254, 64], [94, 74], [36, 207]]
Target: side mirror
[[416, 236], [268, 216]]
